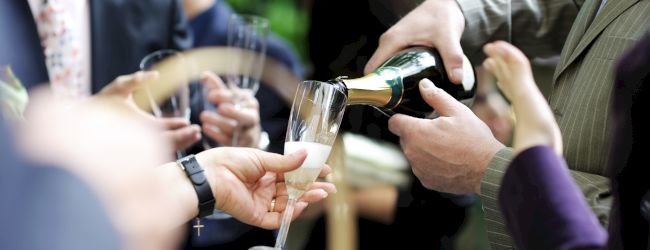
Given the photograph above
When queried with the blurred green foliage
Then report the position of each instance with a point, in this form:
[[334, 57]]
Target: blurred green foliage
[[286, 19]]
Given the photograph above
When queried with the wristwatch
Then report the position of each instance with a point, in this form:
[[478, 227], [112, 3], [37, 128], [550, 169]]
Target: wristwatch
[[191, 166]]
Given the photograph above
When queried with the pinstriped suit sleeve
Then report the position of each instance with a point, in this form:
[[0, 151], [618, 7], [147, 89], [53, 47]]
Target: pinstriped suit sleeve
[[494, 223], [594, 187], [539, 28]]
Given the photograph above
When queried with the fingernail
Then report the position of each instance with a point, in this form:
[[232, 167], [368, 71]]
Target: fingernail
[[427, 84], [458, 74], [324, 194]]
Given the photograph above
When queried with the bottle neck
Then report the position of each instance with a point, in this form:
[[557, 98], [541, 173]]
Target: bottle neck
[[371, 90]]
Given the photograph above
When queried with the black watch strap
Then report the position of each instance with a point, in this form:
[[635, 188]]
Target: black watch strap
[[196, 174]]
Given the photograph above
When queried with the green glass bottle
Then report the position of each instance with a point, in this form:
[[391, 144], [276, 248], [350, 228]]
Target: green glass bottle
[[394, 86]]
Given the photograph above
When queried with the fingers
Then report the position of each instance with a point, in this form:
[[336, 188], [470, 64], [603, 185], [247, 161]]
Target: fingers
[[216, 134], [184, 137], [319, 185], [505, 50], [440, 100], [325, 171], [505, 54], [124, 85], [220, 96], [310, 196], [281, 163], [221, 126], [452, 57], [211, 81], [212, 121], [490, 65], [329, 188], [399, 124], [244, 117], [173, 122], [272, 220], [244, 98]]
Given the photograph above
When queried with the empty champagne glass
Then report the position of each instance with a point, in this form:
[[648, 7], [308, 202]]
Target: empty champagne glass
[[249, 33], [314, 122], [178, 104]]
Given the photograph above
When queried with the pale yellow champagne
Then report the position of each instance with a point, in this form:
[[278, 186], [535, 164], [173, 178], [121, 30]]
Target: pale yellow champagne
[[299, 180]]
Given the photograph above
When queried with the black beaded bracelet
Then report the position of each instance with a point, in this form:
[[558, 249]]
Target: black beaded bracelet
[[203, 191]]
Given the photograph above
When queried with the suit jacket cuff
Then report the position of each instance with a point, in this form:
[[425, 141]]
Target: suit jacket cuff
[[495, 171], [490, 185]]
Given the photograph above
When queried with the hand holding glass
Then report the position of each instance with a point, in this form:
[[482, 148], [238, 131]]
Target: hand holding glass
[[314, 122], [178, 104], [246, 32]]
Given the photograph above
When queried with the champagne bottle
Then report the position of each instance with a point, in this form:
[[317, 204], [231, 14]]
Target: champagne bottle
[[394, 86]]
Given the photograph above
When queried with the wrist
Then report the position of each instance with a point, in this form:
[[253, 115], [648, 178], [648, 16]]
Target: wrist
[[180, 192], [199, 180], [215, 175], [496, 167]]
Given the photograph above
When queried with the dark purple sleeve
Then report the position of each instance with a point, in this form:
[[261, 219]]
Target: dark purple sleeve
[[543, 207]]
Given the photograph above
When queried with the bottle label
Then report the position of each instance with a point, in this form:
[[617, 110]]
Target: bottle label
[[393, 77]]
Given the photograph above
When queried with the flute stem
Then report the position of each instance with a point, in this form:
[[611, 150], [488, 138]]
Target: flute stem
[[286, 221]]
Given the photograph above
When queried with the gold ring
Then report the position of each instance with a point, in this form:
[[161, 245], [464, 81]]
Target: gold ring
[[272, 205]]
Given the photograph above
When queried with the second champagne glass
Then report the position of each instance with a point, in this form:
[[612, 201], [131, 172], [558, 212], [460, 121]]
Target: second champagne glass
[[178, 104], [248, 33]]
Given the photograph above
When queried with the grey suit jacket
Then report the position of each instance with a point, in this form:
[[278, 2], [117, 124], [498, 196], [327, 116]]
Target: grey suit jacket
[[582, 82]]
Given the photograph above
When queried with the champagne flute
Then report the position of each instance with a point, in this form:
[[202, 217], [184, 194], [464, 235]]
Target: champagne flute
[[178, 104], [314, 122], [246, 32]]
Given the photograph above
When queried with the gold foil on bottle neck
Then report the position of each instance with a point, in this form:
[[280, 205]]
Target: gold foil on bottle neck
[[368, 90]]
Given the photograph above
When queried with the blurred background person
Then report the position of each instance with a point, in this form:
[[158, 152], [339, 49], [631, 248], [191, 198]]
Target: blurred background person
[[80, 46], [267, 116]]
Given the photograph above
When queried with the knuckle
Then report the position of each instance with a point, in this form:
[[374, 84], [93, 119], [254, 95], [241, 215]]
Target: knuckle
[[387, 36], [454, 58]]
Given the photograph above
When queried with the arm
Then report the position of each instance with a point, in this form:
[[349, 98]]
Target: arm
[[113, 147], [243, 182], [539, 28], [441, 24], [545, 188], [591, 186], [543, 207]]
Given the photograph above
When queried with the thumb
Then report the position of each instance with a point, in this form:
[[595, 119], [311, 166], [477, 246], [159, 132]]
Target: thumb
[[452, 58], [184, 137], [124, 85], [281, 163], [390, 43], [440, 100]]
